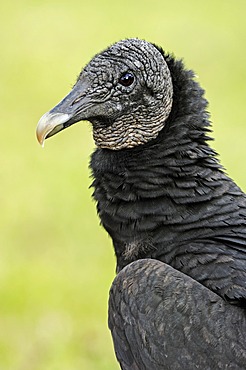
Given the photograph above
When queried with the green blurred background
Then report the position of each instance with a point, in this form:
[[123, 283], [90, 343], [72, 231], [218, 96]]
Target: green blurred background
[[56, 262]]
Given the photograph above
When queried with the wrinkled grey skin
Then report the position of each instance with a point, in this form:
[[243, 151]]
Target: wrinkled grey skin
[[122, 117]]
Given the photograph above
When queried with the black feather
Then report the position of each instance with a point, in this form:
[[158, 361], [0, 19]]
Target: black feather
[[173, 191], [157, 327], [172, 195]]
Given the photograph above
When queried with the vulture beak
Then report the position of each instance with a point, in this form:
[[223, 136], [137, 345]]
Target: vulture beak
[[69, 111]]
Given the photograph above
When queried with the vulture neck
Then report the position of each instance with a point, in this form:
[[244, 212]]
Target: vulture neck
[[153, 195]]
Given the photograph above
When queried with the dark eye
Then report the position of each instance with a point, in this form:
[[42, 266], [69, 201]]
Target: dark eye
[[126, 79]]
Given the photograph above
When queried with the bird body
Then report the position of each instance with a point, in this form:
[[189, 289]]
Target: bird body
[[155, 326], [177, 221]]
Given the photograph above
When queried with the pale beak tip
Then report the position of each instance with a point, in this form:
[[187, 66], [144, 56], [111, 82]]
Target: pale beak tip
[[40, 138], [49, 124]]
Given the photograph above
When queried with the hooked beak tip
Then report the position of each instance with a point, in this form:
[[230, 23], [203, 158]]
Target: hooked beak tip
[[49, 124]]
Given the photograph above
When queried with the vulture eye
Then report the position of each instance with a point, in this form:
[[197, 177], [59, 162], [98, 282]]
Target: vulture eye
[[126, 79]]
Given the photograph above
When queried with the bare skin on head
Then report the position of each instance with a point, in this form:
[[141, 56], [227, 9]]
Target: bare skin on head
[[116, 91]]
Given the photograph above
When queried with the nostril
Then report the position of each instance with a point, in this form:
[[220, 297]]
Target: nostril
[[77, 100]]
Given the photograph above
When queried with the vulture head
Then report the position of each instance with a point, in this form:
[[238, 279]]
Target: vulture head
[[125, 92]]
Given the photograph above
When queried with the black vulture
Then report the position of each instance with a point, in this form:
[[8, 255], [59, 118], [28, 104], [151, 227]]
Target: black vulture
[[177, 221]]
